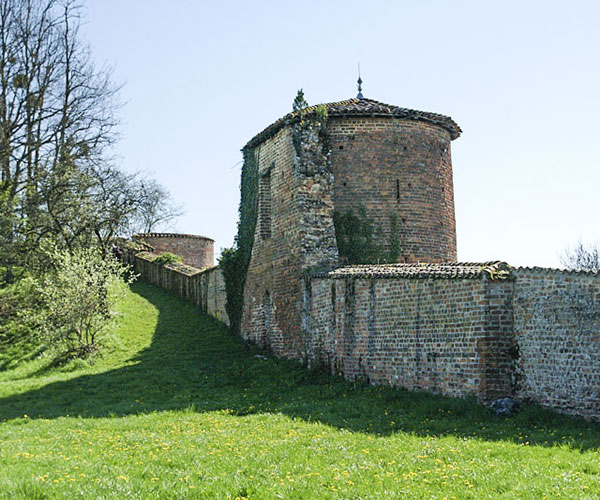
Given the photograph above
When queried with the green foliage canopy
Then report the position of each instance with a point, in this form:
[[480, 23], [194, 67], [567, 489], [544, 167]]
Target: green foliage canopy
[[166, 258]]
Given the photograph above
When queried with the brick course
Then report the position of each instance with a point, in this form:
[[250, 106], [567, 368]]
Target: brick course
[[196, 251], [397, 168], [441, 335]]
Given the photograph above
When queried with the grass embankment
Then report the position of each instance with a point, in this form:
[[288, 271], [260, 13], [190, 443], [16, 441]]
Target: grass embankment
[[178, 408]]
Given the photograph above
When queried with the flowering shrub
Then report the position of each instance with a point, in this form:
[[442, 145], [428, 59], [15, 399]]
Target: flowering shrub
[[78, 295]]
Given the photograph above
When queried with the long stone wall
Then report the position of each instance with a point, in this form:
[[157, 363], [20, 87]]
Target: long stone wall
[[557, 330], [442, 335], [535, 336], [205, 288]]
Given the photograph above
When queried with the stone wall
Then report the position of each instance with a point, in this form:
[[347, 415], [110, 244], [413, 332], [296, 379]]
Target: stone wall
[[448, 336], [206, 288], [196, 251], [534, 336], [273, 291], [557, 330], [397, 169]]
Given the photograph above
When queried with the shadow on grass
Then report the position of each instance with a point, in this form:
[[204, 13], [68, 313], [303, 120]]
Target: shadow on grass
[[193, 362]]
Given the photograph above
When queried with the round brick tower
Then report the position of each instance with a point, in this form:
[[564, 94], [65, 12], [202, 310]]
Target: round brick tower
[[395, 164], [196, 251], [389, 166], [392, 164]]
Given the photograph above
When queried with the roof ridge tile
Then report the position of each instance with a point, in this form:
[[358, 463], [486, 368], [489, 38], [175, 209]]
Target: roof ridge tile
[[359, 107]]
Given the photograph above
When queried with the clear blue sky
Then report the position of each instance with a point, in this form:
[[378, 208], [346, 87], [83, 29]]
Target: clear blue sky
[[521, 78]]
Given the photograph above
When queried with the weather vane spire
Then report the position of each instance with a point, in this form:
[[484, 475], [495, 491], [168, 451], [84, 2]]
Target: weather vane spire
[[359, 81]]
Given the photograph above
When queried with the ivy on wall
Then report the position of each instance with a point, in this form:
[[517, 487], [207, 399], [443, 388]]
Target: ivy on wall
[[234, 261], [358, 241]]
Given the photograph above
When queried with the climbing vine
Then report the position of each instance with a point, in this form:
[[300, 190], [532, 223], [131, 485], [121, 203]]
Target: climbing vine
[[234, 261], [359, 243]]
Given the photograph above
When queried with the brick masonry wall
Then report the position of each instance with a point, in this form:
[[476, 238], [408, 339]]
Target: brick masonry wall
[[557, 330], [206, 288], [273, 291], [535, 337], [392, 167], [196, 251], [301, 236], [402, 168], [448, 336]]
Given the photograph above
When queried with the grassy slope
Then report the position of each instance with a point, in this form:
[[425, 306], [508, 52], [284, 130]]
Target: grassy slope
[[180, 409]]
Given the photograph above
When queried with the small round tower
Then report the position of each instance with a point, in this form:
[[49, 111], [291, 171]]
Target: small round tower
[[196, 251]]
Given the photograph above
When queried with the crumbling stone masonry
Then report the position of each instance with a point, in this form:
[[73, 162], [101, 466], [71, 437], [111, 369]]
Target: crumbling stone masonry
[[557, 333], [480, 329], [485, 330]]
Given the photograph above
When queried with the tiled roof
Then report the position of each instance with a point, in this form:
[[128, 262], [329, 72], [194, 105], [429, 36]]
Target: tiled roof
[[170, 235], [361, 107], [446, 270]]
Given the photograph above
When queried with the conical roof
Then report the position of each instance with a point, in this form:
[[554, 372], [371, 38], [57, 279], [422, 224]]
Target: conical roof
[[360, 107]]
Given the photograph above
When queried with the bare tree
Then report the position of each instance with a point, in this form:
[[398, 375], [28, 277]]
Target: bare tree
[[581, 257], [124, 204], [57, 119], [156, 207], [58, 122]]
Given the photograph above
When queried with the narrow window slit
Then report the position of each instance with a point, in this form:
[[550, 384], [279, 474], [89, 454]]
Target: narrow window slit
[[264, 204]]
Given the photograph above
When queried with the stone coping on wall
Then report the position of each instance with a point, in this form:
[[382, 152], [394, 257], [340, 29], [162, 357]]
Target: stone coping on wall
[[552, 270], [171, 235], [134, 245], [175, 266], [360, 107], [495, 270]]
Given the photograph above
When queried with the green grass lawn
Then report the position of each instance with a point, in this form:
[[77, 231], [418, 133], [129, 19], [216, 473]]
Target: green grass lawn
[[177, 408]]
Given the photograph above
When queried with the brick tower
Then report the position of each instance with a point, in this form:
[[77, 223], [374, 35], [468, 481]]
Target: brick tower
[[359, 155]]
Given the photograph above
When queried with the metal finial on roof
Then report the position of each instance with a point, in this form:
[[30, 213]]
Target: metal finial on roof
[[359, 81]]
